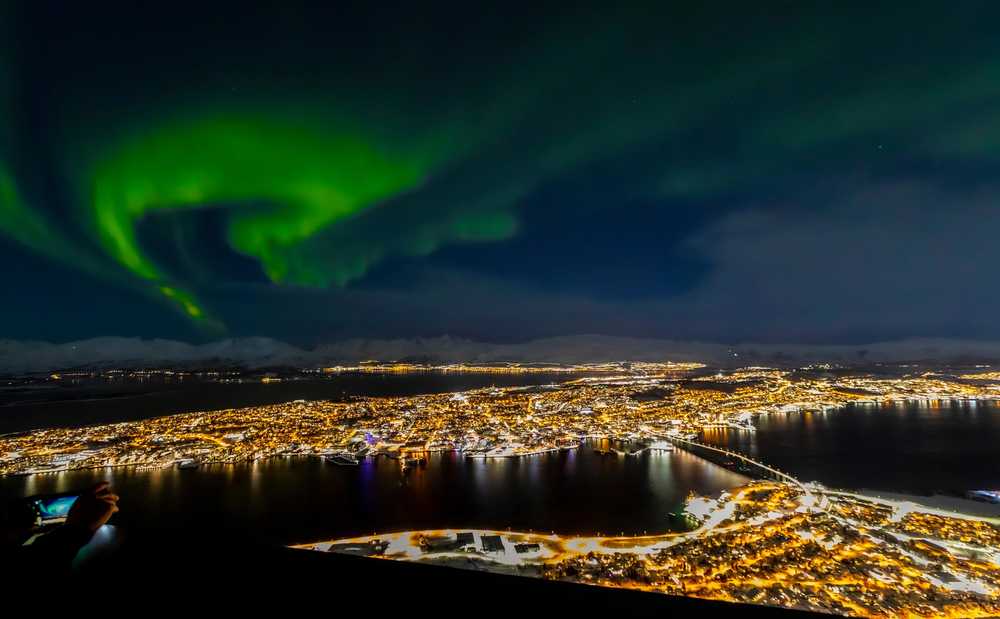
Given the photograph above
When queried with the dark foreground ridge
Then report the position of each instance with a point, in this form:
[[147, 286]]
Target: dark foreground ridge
[[180, 571]]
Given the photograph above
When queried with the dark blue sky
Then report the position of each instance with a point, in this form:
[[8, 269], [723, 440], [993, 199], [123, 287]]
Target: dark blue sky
[[776, 172]]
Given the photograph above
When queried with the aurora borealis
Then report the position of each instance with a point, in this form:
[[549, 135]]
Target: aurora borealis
[[719, 171]]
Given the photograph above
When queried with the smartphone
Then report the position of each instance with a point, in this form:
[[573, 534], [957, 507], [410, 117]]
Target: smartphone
[[52, 507]]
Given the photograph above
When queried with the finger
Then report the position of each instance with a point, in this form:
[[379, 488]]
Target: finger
[[100, 486]]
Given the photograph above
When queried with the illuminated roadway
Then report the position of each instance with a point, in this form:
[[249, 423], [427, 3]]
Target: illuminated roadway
[[780, 474]]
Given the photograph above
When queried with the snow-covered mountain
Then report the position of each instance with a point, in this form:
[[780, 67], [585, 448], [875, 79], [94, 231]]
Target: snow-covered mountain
[[33, 356]]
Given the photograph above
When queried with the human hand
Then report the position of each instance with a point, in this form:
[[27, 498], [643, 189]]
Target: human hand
[[93, 508]]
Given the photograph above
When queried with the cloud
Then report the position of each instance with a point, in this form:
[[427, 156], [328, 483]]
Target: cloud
[[897, 258]]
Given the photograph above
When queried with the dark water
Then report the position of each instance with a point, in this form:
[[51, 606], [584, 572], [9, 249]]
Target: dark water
[[113, 401], [290, 500], [951, 447], [948, 447]]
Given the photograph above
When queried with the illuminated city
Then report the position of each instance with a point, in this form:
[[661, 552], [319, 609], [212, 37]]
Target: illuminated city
[[766, 543], [646, 402], [777, 541]]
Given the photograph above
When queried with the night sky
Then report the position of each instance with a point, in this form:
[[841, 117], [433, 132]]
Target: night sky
[[763, 171]]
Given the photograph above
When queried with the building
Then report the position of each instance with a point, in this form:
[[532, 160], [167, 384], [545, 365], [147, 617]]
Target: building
[[492, 543]]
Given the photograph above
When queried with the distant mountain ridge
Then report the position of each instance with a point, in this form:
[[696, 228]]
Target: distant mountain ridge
[[255, 352]]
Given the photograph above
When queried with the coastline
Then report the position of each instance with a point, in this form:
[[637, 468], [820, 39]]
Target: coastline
[[952, 505]]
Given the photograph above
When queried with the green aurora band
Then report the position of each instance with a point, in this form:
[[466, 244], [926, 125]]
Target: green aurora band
[[325, 180], [281, 182], [19, 221], [294, 186]]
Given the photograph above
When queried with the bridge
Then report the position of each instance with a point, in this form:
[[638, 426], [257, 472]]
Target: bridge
[[767, 471]]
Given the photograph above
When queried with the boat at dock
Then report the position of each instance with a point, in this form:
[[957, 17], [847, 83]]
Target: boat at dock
[[341, 458]]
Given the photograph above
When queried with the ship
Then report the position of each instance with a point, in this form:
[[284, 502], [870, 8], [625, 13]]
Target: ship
[[342, 458], [187, 463]]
